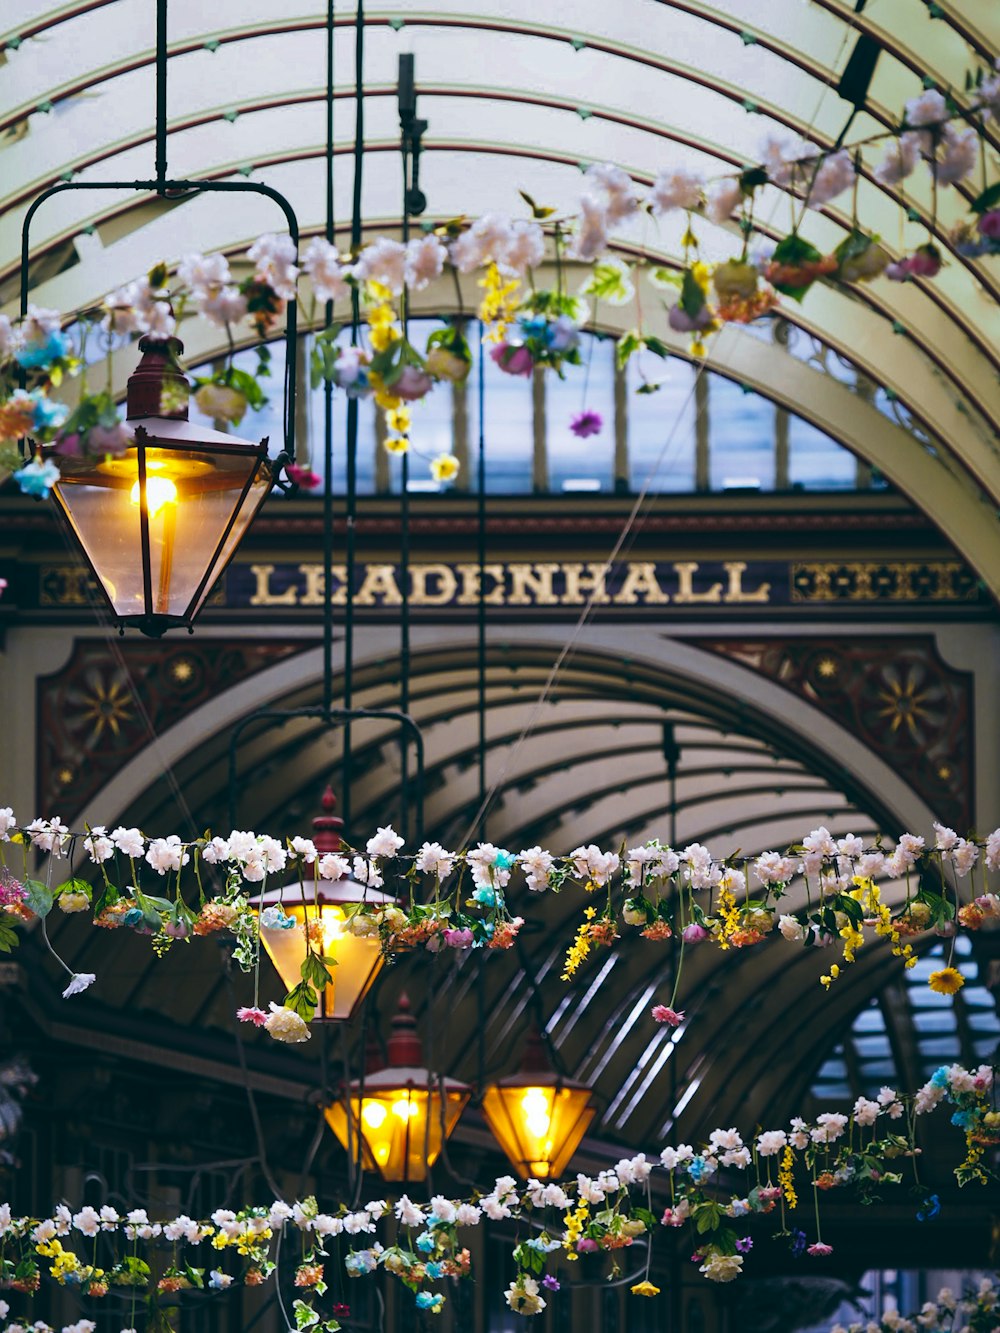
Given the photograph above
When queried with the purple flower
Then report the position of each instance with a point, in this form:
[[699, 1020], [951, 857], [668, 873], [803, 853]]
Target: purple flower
[[587, 422], [458, 939], [989, 224], [798, 1243], [693, 933], [744, 1245], [551, 1282], [412, 385], [586, 1245]]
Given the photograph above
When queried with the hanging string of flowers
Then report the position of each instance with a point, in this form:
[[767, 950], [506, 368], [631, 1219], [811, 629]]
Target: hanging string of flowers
[[459, 899], [527, 327], [720, 1192]]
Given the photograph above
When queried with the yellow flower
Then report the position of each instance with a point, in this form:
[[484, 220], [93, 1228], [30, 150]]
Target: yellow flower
[[444, 467], [383, 336], [377, 291], [398, 419], [946, 981], [397, 444], [645, 1288]]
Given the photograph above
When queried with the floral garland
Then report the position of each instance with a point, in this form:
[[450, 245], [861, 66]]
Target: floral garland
[[654, 890], [528, 328], [710, 1203], [978, 1311]]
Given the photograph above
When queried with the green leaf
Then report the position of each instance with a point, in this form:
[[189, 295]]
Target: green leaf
[[8, 937], [692, 300], [628, 344], [584, 112], [230, 116], [609, 281], [211, 45], [749, 105], [657, 347], [577, 43], [989, 199], [38, 897], [45, 107], [748, 38], [302, 1000], [395, 24], [537, 211], [158, 275], [305, 1315]]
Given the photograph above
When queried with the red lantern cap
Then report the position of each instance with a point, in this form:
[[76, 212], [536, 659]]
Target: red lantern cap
[[403, 1047], [157, 370], [327, 827], [535, 1059]]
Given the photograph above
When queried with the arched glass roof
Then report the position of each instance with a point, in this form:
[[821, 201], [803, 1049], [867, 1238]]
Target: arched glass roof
[[515, 99]]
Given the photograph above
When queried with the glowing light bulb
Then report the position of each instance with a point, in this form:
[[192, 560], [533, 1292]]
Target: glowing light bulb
[[159, 491], [537, 1115], [374, 1114], [404, 1109]]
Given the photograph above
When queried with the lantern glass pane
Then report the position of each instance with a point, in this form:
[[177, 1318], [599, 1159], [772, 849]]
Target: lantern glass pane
[[358, 959], [400, 1127], [191, 497], [539, 1126]]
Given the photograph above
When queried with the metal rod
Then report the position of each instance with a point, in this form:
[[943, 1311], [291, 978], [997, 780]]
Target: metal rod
[[352, 406], [405, 120], [161, 94], [481, 601], [328, 394]]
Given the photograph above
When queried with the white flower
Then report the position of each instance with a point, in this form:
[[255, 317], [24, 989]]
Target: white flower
[[619, 190], [959, 151], [355, 1223], [306, 848], [591, 236], [493, 1208], [722, 1267], [408, 1214], [48, 835], [588, 1191], [992, 849], [432, 859], [98, 845], [489, 238], [272, 853], [39, 322], [674, 1157], [365, 873], [523, 1295], [220, 1281], [79, 982], [273, 258], [910, 846], [829, 1127], [675, 188], [482, 865], [383, 261], [226, 306], [525, 248], [167, 854], [215, 851], [7, 822], [332, 866], [724, 1140], [791, 929], [594, 865], [443, 1209], [468, 1215], [87, 1221], [286, 1025], [771, 1142], [279, 1214], [865, 1112], [929, 108], [722, 198], [202, 275], [8, 338], [425, 256], [773, 868], [159, 321], [554, 1196], [964, 856], [871, 864], [325, 1225], [129, 841], [946, 838], [44, 1231], [899, 160], [329, 277], [833, 176], [109, 1218], [385, 843]]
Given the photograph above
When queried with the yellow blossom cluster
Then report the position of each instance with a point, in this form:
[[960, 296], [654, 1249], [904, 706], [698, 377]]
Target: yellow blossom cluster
[[575, 1219], [785, 1176], [580, 948], [501, 297], [728, 915], [250, 1239]]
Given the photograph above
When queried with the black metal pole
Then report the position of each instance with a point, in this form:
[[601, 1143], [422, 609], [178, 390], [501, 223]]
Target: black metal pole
[[328, 397], [481, 602], [405, 121], [161, 94], [352, 406]]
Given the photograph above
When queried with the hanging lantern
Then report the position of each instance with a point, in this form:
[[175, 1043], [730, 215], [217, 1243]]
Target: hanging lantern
[[159, 524], [322, 907], [538, 1117], [402, 1113]]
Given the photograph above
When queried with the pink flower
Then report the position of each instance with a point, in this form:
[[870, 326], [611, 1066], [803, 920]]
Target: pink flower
[[693, 933], [819, 1250], [989, 224], [513, 360], [925, 262], [672, 1218], [681, 322], [177, 930], [412, 385], [303, 476], [255, 1016], [586, 1245], [586, 423], [664, 1014], [458, 939]]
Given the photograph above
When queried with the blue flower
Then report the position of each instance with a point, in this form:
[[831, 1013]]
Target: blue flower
[[504, 860], [425, 1242], [274, 918], [132, 917], [37, 478], [564, 334], [535, 326], [964, 1119], [427, 1300], [798, 1243], [433, 1269], [47, 414], [358, 1262], [698, 1169], [41, 353], [940, 1077], [486, 896], [929, 1209]]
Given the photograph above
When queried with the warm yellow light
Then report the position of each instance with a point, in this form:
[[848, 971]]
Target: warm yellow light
[[404, 1109], [358, 959], [159, 491], [373, 1114], [538, 1124]]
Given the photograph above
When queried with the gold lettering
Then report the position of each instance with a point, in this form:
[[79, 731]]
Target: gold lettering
[[641, 578], [469, 574], [531, 585], [380, 583], [734, 593], [447, 585], [312, 593], [263, 596], [685, 590], [577, 582]]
